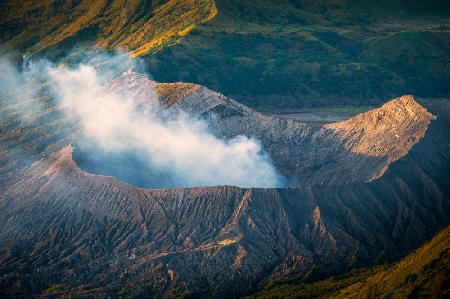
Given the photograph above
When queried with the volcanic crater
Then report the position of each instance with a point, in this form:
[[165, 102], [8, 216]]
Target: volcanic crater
[[361, 191]]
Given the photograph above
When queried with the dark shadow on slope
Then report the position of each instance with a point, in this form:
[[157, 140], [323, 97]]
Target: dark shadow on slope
[[131, 167]]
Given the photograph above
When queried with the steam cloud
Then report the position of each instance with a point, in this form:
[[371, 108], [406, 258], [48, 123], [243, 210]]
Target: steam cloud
[[178, 145]]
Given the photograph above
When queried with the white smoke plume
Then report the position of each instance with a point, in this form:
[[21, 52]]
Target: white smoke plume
[[181, 146]]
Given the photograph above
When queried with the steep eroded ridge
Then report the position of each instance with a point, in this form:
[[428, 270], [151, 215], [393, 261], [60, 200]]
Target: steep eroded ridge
[[359, 149], [389, 132]]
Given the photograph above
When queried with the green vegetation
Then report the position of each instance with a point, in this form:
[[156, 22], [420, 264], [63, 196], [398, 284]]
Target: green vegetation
[[321, 289], [281, 54], [56, 289], [425, 273], [320, 115]]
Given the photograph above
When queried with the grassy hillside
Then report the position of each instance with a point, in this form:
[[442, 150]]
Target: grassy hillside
[[267, 54], [425, 273], [137, 25], [315, 53]]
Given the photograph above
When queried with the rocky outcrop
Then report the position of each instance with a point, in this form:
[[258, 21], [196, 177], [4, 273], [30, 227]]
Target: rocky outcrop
[[388, 132], [356, 150]]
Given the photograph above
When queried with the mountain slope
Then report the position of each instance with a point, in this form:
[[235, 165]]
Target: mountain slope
[[136, 26], [174, 240], [422, 274], [272, 54], [67, 231]]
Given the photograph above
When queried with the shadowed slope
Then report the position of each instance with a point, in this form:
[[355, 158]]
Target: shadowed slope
[[424, 273]]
